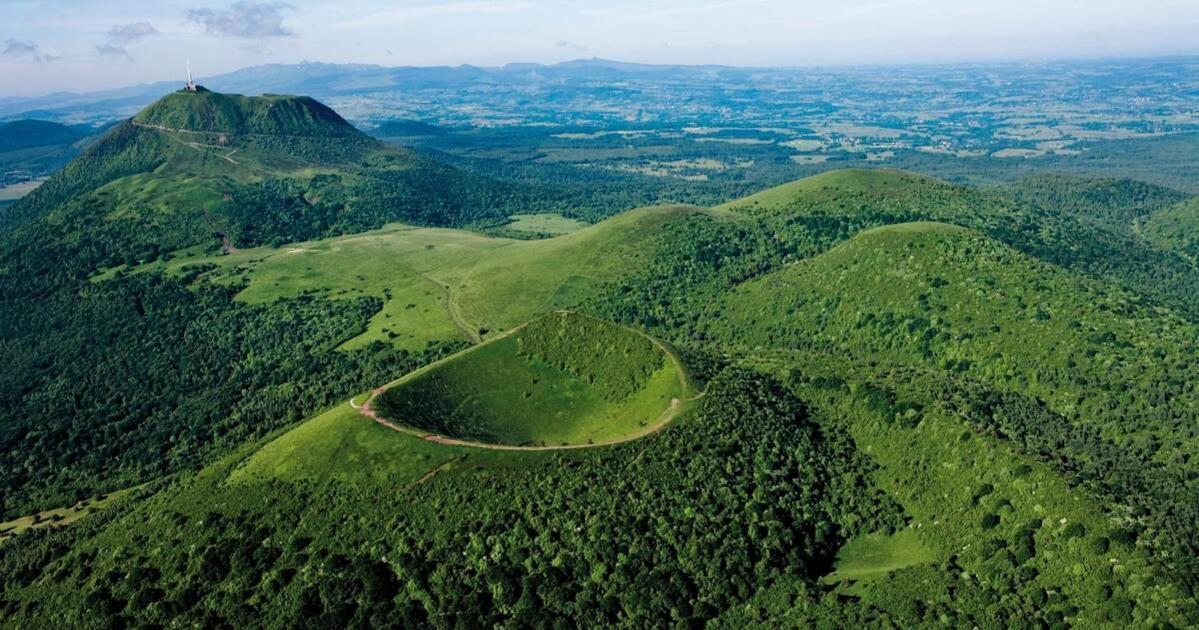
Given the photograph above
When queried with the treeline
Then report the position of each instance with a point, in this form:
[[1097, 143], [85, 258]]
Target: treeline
[[143, 376]]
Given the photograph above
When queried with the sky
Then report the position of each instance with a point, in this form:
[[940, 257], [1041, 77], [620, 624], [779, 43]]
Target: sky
[[85, 45]]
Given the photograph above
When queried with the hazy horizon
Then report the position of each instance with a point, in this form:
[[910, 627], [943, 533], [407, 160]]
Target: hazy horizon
[[85, 46]]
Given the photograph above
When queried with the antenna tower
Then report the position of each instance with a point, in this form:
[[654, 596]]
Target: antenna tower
[[191, 85]]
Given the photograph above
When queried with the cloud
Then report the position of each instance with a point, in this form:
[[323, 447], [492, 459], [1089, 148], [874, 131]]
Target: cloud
[[122, 35], [250, 20], [569, 45], [26, 48], [255, 49], [112, 50], [18, 48], [131, 33]]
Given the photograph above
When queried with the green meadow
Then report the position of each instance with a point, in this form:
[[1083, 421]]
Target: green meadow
[[436, 284], [545, 223]]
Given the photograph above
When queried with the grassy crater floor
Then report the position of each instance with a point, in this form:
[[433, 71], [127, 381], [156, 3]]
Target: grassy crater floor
[[561, 380]]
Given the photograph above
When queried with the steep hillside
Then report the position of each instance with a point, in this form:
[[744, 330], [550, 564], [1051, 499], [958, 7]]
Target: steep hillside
[[1115, 372], [143, 193], [1176, 228]]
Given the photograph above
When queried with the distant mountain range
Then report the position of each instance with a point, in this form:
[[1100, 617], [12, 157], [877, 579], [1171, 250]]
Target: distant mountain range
[[598, 90]]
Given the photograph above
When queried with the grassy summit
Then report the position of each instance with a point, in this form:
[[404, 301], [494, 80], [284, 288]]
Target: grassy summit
[[270, 114], [562, 379]]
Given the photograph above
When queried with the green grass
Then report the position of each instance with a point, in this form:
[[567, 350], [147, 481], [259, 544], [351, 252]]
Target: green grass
[[545, 223], [440, 284], [874, 556], [544, 385], [59, 517], [942, 296], [832, 185], [1176, 228], [344, 446]]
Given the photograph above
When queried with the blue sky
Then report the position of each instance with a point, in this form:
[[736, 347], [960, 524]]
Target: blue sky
[[90, 44]]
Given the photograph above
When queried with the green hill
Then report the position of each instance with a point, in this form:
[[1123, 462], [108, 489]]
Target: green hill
[[922, 404], [227, 171], [1095, 233], [945, 296], [1119, 203], [27, 134], [203, 111], [143, 194], [1112, 369], [835, 185], [1176, 228], [31, 150], [562, 379]]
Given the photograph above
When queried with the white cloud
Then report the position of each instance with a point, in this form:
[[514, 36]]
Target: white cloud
[[23, 48], [131, 33], [249, 20]]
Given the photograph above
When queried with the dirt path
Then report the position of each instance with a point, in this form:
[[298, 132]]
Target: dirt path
[[436, 469], [199, 146], [452, 309], [669, 414]]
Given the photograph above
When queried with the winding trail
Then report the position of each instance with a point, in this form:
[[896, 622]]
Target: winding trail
[[669, 414], [453, 310]]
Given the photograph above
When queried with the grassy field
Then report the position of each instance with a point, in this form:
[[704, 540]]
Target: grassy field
[[439, 284], [545, 223], [833, 183], [511, 391], [60, 516], [874, 556], [341, 445], [16, 191]]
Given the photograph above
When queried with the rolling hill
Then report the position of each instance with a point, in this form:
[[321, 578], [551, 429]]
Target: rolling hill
[[888, 400], [33, 149], [1176, 228], [253, 171], [29, 134]]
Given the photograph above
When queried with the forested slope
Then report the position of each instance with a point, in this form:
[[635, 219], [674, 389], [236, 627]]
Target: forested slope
[[106, 383], [999, 379]]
